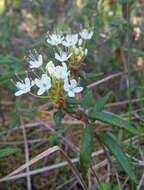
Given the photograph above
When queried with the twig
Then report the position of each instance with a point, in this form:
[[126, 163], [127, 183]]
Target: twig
[[39, 157], [71, 145], [108, 157], [123, 102], [66, 183], [6, 102], [37, 124], [12, 175], [105, 79], [140, 182], [30, 125], [125, 182], [109, 77], [26, 156], [22, 142]]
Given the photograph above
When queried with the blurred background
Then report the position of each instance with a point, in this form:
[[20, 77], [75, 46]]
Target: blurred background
[[24, 25]]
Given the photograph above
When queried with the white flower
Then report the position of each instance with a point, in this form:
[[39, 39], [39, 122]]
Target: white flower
[[61, 71], [50, 67], [55, 39], [63, 57], [44, 84], [23, 87], [70, 40], [72, 88], [85, 34], [37, 62]]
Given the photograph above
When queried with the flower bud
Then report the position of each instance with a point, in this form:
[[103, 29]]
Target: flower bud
[[80, 42], [81, 51], [86, 52], [76, 51], [78, 58]]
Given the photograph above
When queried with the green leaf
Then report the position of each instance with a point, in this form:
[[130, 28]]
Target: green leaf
[[7, 152], [73, 101], [10, 113], [137, 52], [28, 114], [113, 120], [92, 75], [58, 117], [120, 135], [116, 187], [14, 122], [102, 186], [71, 110], [11, 75], [86, 149], [87, 100], [81, 73], [18, 106], [101, 103], [116, 150], [50, 107]]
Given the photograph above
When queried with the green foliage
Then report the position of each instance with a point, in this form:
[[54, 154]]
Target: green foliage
[[102, 186], [73, 101], [32, 113], [115, 148], [55, 140], [7, 152], [101, 103], [92, 75], [110, 35], [17, 113], [14, 121], [57, 116], [87, 100], [113, 120], [86, 149]]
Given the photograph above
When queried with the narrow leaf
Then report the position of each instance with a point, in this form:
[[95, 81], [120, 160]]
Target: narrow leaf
[[18, 106], [81, 73], [14, 122], [92, 75], [11, 75], [113, 120], [50, 107], [87, 100], [58, 117], [103, 186], [28, 114], [101, 103], [116, 150], [7, 152], [73, 101], [86, 149]]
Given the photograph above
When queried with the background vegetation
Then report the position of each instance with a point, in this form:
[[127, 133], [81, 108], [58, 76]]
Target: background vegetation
[[116, 51]]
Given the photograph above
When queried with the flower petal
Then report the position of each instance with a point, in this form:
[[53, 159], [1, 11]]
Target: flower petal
[[18, 93], [27, 81], [77, 89], [41, 91], [73, 83], [71, 94], [37, 82]]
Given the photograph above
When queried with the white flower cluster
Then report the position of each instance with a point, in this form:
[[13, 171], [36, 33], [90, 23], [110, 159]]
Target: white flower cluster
[[70, 39], [53, 74], [56, 81]]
